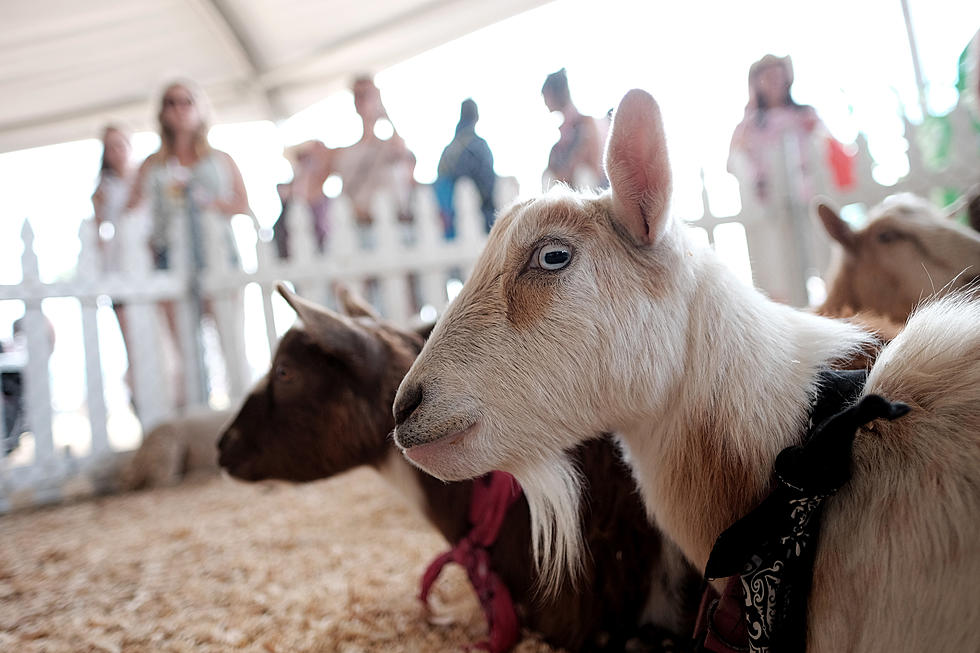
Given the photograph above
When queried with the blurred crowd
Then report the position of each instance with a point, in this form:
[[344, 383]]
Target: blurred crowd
[[186, 178]]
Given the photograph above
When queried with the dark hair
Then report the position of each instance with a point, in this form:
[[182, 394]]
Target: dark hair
[[469, 114], [772, 61], [108, 129], [362, 78], [557, 85], [762, 109]]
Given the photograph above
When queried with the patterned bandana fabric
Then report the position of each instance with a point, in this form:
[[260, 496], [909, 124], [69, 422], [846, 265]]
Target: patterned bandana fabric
[[770, 551], [493, 495]]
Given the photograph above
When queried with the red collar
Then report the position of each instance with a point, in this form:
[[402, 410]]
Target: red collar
[[493, 495]]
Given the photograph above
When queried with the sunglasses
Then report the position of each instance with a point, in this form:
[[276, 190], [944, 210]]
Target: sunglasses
[[169, 102]]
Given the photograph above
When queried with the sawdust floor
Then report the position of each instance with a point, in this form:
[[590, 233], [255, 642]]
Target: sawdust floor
[[220, 565]]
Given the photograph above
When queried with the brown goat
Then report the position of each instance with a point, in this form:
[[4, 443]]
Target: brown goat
[[324, 408], [907, 252]]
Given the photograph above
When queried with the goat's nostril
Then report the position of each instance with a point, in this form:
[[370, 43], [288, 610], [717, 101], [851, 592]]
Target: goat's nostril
[[223, 442], [407, 402]]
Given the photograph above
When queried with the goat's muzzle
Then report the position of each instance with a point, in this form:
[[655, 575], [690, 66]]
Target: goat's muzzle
[[408, 399]]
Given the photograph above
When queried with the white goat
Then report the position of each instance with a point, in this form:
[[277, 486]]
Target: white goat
[[591, 314]]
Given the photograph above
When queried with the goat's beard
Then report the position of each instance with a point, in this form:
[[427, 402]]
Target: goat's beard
[[553, 489]]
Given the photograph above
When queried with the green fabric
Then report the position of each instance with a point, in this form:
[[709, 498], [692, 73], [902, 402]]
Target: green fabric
[[935, 135], [962, 77]]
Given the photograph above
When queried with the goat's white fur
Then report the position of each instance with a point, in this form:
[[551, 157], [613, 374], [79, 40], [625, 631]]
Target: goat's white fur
[[552, 491], [705, 381]]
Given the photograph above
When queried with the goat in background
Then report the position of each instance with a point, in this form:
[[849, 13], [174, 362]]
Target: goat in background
[[908, 250]]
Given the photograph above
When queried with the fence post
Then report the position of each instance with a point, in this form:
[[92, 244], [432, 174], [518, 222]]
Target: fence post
[[304, 255], [429, 239], [94, 384], [395, 288], [37, 393], [224, 285], [344, 247], [505, 192], [471, 233], [267, 262], [302, 232]]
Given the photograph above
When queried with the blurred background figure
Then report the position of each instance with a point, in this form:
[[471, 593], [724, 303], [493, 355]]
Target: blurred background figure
[[378, 162], [109, 203], [186, 182], [13, 361], [111, 193], [577, 156], [467, 155], [186, 177], [774, 123], [968, 78], [968, 85], [309, 161]]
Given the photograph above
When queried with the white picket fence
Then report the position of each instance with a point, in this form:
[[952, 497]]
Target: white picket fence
[[392, 262]]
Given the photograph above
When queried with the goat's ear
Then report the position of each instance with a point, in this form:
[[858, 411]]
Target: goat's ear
[[335, 333], [295, 302], [832, 222], [638, 168], [353, 304]]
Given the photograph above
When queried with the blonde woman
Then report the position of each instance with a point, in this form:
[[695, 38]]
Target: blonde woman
[[185, 180], [186, 174]]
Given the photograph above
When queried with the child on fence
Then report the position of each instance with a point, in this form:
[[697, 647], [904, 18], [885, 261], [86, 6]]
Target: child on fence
[[468, 155]]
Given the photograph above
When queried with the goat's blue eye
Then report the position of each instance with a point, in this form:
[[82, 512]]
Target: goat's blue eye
[[553, 257]]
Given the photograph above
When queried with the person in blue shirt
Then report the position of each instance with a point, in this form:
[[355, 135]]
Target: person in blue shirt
[[468, 155]]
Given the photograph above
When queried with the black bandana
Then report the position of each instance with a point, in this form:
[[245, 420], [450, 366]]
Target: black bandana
[[772, 548]]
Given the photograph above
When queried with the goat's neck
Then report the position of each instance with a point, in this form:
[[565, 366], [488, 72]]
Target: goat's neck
[[704, 457], [445, 505]]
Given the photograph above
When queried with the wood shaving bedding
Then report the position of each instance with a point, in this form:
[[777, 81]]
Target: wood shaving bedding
[[220, 565]]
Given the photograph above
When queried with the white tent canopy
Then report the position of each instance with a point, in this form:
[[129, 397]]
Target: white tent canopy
[[68, 67]]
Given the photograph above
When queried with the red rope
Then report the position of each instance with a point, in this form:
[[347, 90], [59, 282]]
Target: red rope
[[492, 497]]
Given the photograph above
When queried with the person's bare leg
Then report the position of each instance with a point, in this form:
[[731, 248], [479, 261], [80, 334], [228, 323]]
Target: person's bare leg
[[170, 313], [127, 345]]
